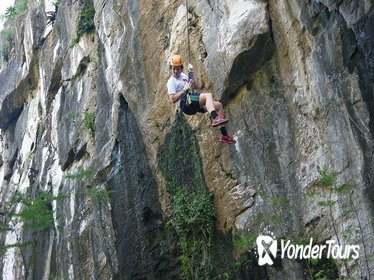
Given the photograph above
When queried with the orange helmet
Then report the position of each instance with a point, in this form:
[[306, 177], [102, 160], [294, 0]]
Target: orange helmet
[[176, 61]]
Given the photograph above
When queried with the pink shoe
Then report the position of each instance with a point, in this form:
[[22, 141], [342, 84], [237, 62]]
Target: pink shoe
[[219, 120], [228, 139]]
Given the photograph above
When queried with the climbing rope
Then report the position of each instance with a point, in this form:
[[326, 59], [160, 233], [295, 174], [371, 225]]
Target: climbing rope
[[188, 35], [184, 98]]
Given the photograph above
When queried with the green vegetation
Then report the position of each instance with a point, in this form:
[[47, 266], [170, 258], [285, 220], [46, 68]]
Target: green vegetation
[[88, 121], [16, 245], [229, 174], [337, 195], [180, 160], [86, 22], [191, 9], [12, 12], [95, 192], [6, 43], [73, 118], [99, 193], [35, 215], [245, 241], [330, 194], [278, 201], [273, 215], [192, 218], [56, 3], [326, 178], [323, 269], [82, 174], [6, 36], [29, 219]]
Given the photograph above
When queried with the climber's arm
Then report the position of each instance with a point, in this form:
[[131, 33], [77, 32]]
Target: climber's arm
[[174, 97]]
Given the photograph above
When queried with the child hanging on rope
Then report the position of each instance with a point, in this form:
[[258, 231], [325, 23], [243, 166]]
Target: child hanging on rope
[[180, 89]]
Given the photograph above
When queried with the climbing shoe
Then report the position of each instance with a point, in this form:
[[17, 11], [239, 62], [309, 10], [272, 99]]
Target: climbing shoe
[[227, 139], [219, 120]]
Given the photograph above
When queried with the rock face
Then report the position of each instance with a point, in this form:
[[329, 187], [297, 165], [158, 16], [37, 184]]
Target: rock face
[[94, 150]]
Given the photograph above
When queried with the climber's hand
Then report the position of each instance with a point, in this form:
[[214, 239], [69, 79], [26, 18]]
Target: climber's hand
[[186, 87], [190, 67]]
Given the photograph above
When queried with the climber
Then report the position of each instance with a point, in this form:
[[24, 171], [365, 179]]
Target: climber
[[51, 16], [181, 91]]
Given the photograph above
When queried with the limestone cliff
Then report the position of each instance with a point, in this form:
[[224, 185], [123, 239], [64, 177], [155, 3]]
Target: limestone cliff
[[95, 159]]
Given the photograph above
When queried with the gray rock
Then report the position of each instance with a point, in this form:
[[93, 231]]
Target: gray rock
[[296, 80]]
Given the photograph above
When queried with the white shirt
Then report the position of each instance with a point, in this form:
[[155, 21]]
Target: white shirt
[[176, 84]]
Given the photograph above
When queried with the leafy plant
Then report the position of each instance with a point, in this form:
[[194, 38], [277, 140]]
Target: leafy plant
[[13, 11], [56, 3], [73, 118], [5, 227], [326, 178], [245, 241], [278, 201], [99, 193], [229, 174], [86, 22], [15, 245], [10, 13], [6, 39], [192, 218], [344, 191], [191, 9], [273, 214], [323, 269], [36, 214], [9, 17], [89, 122], [82, 174], [327, 203], [6, 34], [21, 6], [192, 212]]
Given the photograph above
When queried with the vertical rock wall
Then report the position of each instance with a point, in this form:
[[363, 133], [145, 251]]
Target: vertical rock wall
[[296, 80]]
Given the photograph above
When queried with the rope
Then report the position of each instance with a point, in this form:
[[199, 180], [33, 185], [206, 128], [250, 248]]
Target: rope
[[188, 35], [184, 98]]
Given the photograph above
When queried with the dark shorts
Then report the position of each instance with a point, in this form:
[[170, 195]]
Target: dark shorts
[[194, 107]]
